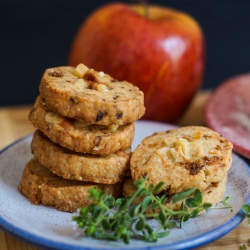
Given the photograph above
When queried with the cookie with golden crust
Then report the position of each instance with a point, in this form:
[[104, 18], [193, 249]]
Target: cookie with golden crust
[[213, 194], [40, 185], [79, 136], [108, 169], [92, 97], [182, 158]]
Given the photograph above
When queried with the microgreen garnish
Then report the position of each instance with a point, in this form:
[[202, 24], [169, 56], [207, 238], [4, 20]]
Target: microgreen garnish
[[123, 219], [246, 209]]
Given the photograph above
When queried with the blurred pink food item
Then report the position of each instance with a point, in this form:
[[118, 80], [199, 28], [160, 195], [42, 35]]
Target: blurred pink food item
[[227, 111]]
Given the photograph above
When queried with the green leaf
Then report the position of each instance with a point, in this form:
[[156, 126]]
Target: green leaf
[[183, 219], [109, 201], [157, 188], [196, 200], [150, 188], [155, 205], [147, 201], [183, 207], [182, 195], [91, 230], [163, 234], [246, 208], [186, 217], [140, 183], [105, 224], [152, 237], [190, 202], [124, 204], [141, 223], [118, 201], [97, 213], [125, 238], [225, 201], [149, 229], [122, 220], [134, 210], [171, 224], [114, 224], [80, 222], [96, 193], [84, 211], [163, 199], [206, 206], [198, 196], [162, 216], [195, 212]]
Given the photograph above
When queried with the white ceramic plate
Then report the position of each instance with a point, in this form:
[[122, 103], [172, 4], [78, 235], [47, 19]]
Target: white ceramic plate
[[48, 228]]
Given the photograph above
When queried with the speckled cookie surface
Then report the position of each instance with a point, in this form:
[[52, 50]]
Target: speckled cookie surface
[[39, 185], [213, 194], [182, 158], [79, 136], [95, 98], [83, 167]]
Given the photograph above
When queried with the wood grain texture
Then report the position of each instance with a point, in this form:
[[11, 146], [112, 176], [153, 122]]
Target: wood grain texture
[[14, 124]]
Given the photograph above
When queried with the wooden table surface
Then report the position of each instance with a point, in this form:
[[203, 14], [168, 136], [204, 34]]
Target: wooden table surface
[[14, 124]]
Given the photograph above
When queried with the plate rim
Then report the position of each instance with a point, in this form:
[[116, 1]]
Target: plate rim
[[199, 240], [196, 241]]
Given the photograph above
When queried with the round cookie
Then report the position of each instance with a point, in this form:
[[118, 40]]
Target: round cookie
[[83, 167], [79, 136], [94, 97], [182, 158], [39, 185], [213, 194]]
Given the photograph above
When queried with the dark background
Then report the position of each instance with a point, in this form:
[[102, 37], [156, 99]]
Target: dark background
[[35, 35]]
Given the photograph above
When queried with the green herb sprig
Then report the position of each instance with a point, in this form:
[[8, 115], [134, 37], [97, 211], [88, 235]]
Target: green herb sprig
[[246, 209], [123, 219]]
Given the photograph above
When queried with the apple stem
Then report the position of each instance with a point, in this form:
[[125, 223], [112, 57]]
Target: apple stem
[[145, 6]]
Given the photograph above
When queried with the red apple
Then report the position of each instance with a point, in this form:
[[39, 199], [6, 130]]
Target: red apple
[[161, 52]]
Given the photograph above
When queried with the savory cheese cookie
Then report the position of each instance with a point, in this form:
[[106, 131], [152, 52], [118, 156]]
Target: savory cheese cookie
[[77, 166], [213, 194], [182, 158], [39, 185], [91, 96], [79, 136]]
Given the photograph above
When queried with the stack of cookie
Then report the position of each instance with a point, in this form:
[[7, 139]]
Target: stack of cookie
[[183, 158], [85, 127]]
